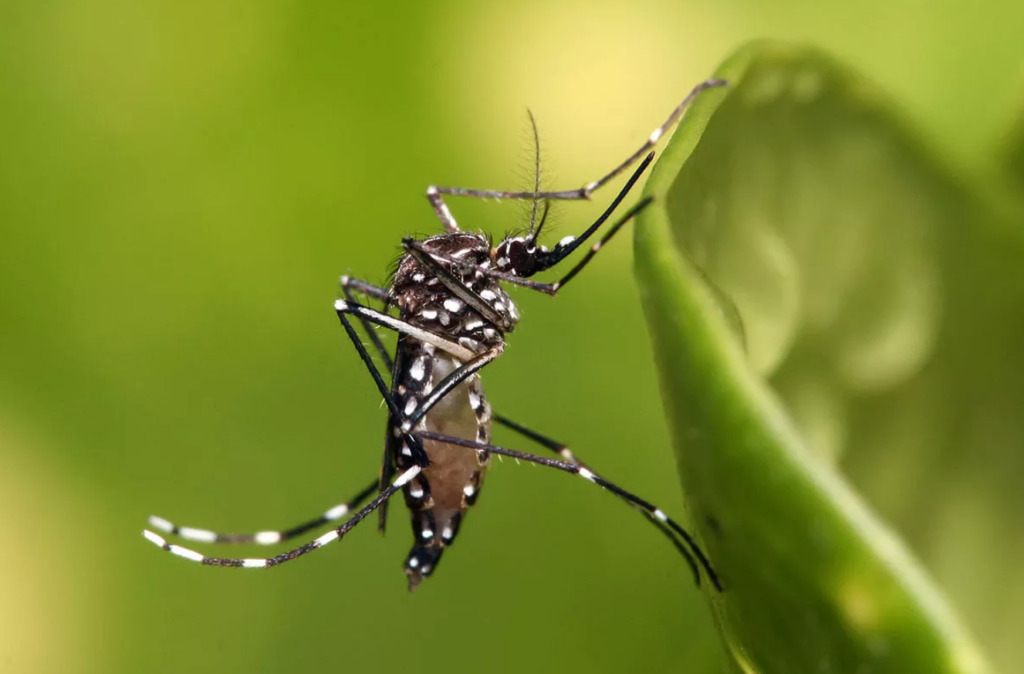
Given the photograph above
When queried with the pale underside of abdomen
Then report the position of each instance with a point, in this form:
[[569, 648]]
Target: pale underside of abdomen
[[454, 468]]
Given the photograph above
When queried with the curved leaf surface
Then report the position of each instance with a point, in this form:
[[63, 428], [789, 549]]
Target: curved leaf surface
[[794, 262]]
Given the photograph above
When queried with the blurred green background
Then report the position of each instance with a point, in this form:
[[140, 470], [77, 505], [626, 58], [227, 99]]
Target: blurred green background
[[181, 184]]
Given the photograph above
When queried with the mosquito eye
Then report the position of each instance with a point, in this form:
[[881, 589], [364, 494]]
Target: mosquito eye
[[522, 261]]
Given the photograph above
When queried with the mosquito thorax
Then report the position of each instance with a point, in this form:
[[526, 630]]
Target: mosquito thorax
[[425, 301]]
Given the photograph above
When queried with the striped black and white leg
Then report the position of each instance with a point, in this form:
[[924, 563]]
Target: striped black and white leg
[[441, 208], [580, 193], [349, 286], [387, 464], [410, 417], [365, 313], [589, 475], [564, 452], [542, 440], [269, 537], [265, 562], [418, 455], [445, 386], [436, 194]]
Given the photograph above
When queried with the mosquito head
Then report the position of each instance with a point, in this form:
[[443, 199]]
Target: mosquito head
[[520, 255]]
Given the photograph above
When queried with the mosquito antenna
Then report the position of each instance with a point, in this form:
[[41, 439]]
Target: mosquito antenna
[[534, 227], [543, 217]]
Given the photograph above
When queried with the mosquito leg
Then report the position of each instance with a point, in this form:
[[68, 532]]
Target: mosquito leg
[[376, 292], [419, 456], [266, 562], [387, 464], [542, 440], [590, 476], [348, 284], [655, 136], [374, 372], [441, 208], [264, 537], [564, 452], [445, 386], [585, 191], [475, 362], [362, 312], [414, 413]]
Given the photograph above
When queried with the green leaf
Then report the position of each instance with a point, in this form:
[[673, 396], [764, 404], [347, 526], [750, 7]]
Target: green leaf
[[794, 265], [1013, 149]]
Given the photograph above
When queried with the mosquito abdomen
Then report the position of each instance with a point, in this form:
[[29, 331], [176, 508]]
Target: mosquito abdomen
[[439, 497]]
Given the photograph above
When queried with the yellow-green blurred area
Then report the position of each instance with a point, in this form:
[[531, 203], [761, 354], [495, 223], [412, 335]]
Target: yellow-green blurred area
[[181, 184]]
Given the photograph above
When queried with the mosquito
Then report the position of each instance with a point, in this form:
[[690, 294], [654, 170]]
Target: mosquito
[[452, 318]]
